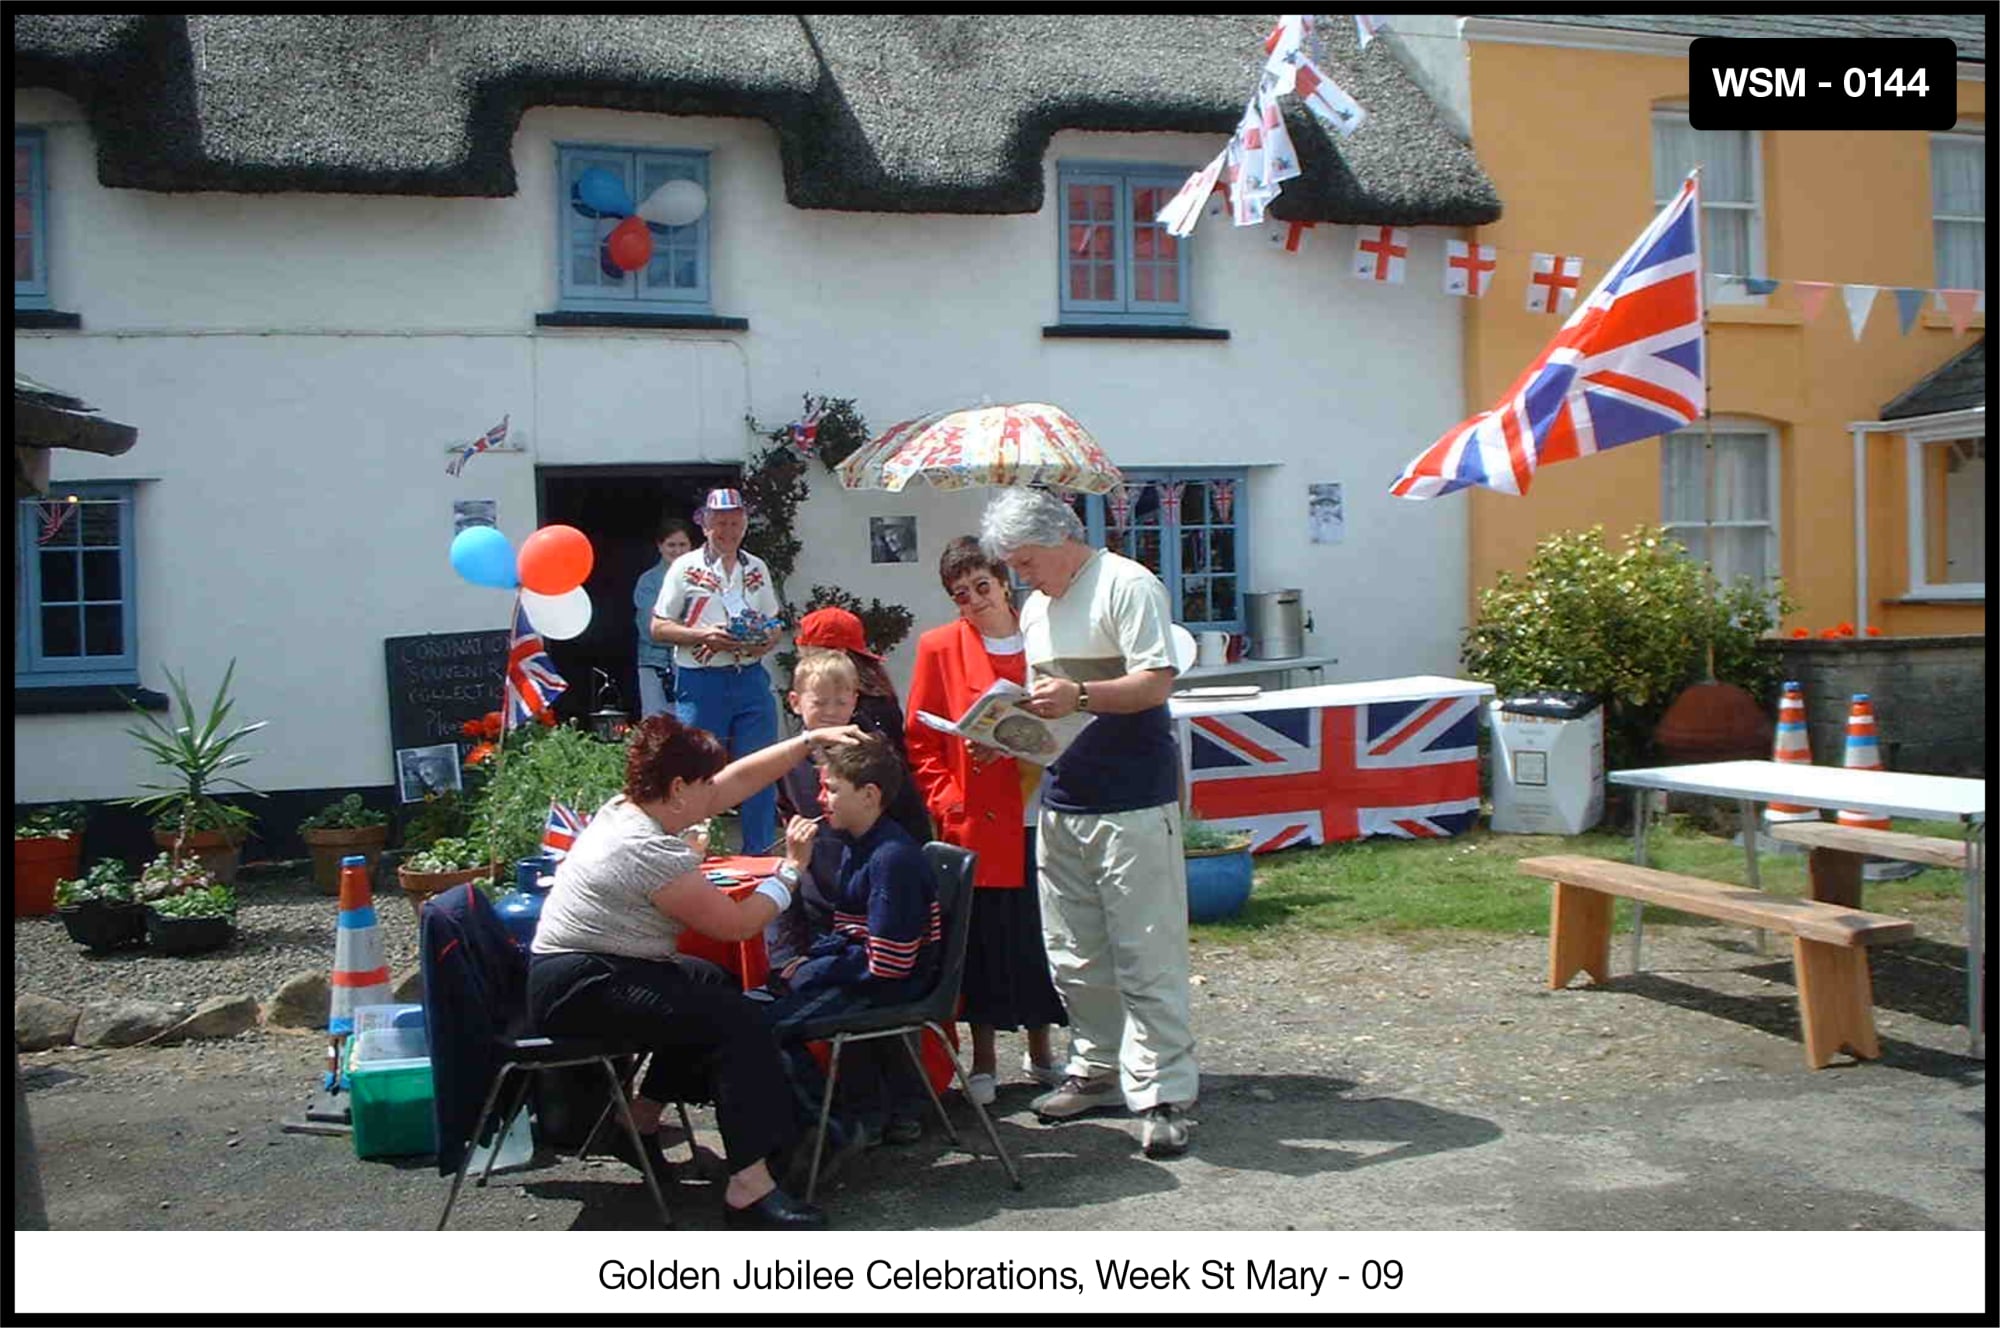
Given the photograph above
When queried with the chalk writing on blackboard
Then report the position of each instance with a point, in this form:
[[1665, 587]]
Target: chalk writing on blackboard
[[438, 682]]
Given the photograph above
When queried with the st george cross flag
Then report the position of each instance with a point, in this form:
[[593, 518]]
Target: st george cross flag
[[559, 832], [1281, 159], [1407, 768], [1552, 283], [532, 681], [1468, 268], [1324, 98], [1183, 210], [492, 438], [1626, 366], [1379, 252]]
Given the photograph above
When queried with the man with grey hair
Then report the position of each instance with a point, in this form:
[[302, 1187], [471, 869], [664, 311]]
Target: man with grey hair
[[1108, 840]]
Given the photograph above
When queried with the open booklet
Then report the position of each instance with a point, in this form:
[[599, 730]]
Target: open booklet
[[998, 720]]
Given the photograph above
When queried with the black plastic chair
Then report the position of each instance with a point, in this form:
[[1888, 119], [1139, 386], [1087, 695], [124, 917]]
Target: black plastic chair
[[953, 867]]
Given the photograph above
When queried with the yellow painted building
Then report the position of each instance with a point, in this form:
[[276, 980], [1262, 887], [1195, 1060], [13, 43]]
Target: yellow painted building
[[1583, 129]]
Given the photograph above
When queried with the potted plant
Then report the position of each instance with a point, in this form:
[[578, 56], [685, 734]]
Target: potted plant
[[48, 844], [188, 818], [338, 830], [201, 917], [1218, 871], [98, 910], [446, 862]]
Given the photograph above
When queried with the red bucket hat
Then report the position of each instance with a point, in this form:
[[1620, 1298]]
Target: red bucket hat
[[833, 629]]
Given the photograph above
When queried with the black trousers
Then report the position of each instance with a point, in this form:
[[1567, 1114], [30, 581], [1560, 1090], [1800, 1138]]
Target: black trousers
[[674, 1010]]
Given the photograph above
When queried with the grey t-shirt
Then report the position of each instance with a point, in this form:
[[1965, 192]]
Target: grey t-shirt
[[602, 900]]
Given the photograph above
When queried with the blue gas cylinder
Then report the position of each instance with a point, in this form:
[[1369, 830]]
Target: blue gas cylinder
[[520, 909]]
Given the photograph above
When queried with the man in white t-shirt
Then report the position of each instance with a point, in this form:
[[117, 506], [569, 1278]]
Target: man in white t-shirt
[[1108, 842], [719, 611]]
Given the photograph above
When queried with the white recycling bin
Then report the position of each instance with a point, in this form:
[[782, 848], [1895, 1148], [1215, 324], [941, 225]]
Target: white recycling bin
[[1548, 763]]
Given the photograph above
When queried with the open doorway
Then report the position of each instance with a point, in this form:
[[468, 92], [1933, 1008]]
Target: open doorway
[[619, 508]]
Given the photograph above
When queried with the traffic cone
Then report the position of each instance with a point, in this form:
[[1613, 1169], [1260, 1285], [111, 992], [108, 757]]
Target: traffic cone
[[360, 974], [1791, 747], [1863, 753]]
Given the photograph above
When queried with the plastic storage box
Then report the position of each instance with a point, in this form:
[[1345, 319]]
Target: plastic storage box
[[1548, 763], [389, 1070]]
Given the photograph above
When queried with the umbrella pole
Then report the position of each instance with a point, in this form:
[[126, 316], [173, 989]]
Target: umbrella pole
[[1708, 470]]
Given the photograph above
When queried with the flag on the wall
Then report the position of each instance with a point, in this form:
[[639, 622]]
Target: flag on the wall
[[1379, 252], [1468, 268], [1324, 98], [485, 442], [1293, 237], [559, 832], [1627, 365], [1552, 283], [532, 681]]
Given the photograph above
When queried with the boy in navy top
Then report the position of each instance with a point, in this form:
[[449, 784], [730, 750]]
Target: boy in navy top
[[884, 948]]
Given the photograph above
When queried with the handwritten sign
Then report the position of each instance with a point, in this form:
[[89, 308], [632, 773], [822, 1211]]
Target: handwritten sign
[[438, 682]]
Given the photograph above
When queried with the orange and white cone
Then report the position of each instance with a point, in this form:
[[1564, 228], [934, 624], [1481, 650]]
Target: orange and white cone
[[360, 973], [1863, 753], [1792, 748]]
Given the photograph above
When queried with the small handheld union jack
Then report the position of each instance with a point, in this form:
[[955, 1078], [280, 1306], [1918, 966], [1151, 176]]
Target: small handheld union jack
[[559, 832], [485, 442]]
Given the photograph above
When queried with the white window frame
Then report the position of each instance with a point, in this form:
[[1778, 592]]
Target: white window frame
[[1953, 136], [1773, 546], [1915, 441], [1725, 292]]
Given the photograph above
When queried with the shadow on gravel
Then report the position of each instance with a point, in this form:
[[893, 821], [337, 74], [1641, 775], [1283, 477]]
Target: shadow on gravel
[[1304, 1125], [1778, 1015]]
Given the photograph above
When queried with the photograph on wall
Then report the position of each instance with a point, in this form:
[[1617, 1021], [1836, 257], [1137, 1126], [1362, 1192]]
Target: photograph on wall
[[421, 771], [1325, 517], [892, 539], [467, 512]]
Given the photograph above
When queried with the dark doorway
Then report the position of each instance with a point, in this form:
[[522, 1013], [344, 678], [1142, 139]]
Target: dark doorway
[[619, 508]]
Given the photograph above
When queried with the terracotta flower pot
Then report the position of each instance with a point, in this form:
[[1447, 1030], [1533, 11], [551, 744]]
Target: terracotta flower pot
[[420, 886], [328, 847], [1713, 721], [216, 850], [38, 865]]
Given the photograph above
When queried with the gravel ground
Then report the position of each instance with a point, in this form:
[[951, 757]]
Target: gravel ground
[[284, 925]]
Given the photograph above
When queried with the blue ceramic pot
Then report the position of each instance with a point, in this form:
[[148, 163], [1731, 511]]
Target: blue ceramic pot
[[1218, 884]]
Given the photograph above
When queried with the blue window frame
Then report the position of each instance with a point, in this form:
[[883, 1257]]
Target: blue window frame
[[31, 220], [675, 279], [1197, 545], [76, 619], [1118, 265]]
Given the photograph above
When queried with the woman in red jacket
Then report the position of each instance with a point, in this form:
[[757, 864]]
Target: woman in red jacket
[[986, 802]]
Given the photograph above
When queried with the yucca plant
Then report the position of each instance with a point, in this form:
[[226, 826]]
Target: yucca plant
[[197, 751]]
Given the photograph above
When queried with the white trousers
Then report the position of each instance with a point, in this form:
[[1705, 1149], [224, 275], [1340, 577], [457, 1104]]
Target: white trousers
[[1114, 918]]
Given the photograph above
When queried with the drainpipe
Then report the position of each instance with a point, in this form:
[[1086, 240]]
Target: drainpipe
[[1860, 432]]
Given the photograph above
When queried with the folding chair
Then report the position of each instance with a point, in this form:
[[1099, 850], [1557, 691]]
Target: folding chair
[[937, 1008]]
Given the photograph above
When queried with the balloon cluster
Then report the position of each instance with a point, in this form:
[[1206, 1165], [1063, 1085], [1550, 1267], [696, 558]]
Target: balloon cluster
[[549, 572], [628, 246]]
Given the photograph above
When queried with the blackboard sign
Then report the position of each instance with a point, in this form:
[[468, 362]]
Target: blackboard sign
[[438, 682]]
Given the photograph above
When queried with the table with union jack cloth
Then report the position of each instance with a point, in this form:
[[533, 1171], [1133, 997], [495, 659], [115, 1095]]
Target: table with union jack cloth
[[1312, 765]]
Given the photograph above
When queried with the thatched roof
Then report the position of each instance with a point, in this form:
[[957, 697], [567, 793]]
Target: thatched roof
[[46, 417], [874, 113], [1967, 30]]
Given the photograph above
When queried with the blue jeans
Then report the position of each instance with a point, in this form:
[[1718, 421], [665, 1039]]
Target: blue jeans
[[737, 706]]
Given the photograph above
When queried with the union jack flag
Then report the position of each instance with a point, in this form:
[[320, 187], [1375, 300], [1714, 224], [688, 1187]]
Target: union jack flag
[[1313, 776], [1627, 365], [532, 681], [492, 438], [559, 832]]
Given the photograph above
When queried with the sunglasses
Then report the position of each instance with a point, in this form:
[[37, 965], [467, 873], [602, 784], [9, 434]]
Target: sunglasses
[[982, 587]]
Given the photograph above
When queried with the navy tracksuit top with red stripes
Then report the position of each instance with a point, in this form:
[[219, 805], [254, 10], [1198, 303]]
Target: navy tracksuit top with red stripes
[[886, 923]]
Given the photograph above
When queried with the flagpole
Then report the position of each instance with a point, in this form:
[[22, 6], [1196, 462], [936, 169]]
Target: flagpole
[[1707, 419]]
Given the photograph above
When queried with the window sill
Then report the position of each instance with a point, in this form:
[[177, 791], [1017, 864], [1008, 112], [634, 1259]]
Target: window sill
[[1942, 322], [1755, 314], [1135, 332], [1973, 601], [83, 700], [45, 318], [659, 322]]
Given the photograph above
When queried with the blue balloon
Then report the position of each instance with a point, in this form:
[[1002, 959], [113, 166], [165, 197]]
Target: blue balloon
[[599, 193], [483, 556]]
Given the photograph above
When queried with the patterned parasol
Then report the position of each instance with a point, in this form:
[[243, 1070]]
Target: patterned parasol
[[1029, 443]]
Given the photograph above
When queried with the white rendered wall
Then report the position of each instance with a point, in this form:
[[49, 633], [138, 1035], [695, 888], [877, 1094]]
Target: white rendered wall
[[297, 364]]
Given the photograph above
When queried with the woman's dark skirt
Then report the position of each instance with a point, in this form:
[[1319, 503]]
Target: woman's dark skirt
[[1007, 983]]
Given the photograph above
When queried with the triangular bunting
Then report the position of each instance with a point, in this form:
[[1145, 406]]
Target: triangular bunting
[[1859, 299], [1909, 303], [1960, 304], [1812, 297]]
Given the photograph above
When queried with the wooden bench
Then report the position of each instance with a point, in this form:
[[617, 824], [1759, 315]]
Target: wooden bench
[[1829, 955], [1833, 867]]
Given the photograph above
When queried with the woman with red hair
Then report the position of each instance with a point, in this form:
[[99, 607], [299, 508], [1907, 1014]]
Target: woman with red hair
[[606, 955]]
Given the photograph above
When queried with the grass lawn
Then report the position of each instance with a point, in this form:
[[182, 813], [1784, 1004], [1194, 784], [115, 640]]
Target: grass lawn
[[1471, 883]]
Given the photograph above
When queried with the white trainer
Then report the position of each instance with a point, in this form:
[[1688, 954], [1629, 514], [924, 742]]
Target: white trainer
[[981, 1088]]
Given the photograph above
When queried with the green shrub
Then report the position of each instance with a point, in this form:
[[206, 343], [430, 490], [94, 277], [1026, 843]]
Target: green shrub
[[539, 764], [1632, 627], [439, 816], [212, 901], [105, 883], [350, 813], [60, 820], [449, 854]]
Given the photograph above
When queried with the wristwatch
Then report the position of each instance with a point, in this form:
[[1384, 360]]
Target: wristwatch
[[1083, 696], [788, 875]]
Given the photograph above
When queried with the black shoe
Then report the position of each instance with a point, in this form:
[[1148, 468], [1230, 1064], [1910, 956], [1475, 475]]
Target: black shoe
[[776, 1211], [619, 1145], [904, 1130]]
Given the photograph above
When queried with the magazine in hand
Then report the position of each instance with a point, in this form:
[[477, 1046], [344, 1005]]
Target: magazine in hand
[[997, 720]]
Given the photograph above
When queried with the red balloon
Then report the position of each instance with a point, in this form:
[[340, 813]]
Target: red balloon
[[630, 244], [555, 559]]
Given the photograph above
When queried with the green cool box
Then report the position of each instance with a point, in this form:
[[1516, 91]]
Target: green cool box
[[389, 1072]]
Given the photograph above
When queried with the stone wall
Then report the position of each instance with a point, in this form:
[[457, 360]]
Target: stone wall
[[1929, 695]]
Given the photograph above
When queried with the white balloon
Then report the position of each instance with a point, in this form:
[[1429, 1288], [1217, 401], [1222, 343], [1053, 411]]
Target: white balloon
[[1184, 647], [675, 203], [558, 617]]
